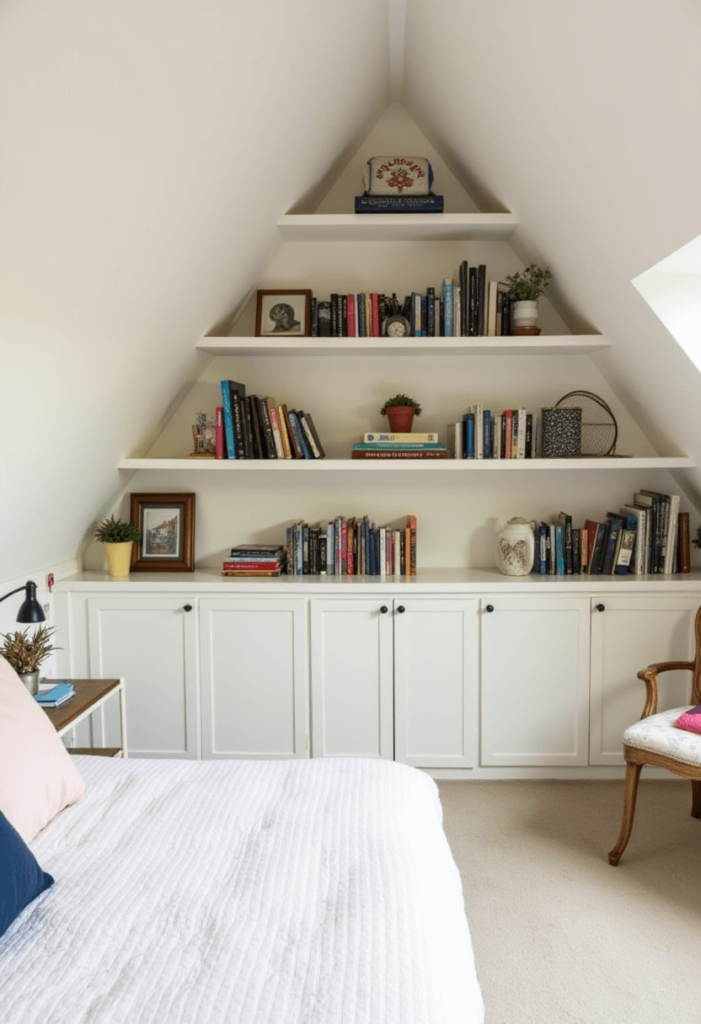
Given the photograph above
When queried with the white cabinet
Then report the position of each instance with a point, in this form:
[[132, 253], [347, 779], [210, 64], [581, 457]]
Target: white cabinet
[[534, 681], [436, 661], [628, 634], [395, 677], [152, 643], [351, 677], [254, 677]]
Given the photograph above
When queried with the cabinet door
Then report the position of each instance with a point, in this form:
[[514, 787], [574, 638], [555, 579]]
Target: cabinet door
[[535, 681], [254, 677], [628, 634], [436, 662], [352, 678], [152, 643]]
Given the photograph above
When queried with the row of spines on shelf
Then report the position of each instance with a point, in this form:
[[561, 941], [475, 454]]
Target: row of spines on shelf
[[256, 427], [513, 434], [470, 306], [352, 546], [641, 538]]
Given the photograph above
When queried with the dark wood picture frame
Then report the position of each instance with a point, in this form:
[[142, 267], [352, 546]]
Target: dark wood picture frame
[[167, 524], [283, 323]]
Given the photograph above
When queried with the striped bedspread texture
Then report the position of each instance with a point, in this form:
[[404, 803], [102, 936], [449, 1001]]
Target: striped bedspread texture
[[243, 892]]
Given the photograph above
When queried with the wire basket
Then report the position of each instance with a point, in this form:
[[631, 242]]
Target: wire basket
[[599, 427]]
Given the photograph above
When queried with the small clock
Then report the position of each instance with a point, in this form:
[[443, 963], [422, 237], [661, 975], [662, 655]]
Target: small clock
[[397, 326]]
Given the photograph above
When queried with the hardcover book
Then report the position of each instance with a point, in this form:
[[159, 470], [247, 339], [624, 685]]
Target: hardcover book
[[399, 204]]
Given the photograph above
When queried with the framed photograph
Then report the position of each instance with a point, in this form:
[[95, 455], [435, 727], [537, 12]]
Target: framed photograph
[[167, 524], [284, 312]]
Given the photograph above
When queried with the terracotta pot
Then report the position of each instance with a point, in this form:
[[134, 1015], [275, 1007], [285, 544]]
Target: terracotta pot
[[119, 559], [400, 418]]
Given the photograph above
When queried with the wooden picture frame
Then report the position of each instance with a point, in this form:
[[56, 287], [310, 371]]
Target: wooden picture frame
[[167, 524], [284, 313]]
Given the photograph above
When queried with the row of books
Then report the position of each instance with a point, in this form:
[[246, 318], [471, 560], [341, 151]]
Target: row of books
[[255, 560], [376, 445], [256, 427], [513, 434], [352, 546], [648, 536], [469, 306]]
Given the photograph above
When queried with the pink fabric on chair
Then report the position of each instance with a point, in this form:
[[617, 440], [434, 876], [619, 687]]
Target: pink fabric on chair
[[37, 776], [690, 720]]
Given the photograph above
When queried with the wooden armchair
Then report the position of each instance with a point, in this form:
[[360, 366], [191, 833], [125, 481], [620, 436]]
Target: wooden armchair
[[656, 740]]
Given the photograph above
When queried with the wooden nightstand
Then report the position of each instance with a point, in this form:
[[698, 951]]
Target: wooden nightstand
[[89, 695]]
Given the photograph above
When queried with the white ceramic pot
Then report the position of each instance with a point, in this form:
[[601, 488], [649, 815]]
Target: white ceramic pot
[[514, 549], [524, 313]]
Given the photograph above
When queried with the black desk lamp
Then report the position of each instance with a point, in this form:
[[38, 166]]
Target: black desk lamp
[[30, 610]]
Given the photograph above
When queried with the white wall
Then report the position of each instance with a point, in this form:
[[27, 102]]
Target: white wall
[[148, 151]]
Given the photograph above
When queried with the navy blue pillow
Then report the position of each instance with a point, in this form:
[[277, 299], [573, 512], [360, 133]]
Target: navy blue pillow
[[21, 878]]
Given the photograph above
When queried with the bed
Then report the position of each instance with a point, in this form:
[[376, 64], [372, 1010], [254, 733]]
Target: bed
[[289, 892]]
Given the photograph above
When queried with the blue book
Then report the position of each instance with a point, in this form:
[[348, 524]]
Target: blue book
[[228, 420], [56, 695], [611, 548], [542, 553], [470, 436], [559, 550], [448, 308], [486, 434], [360, 314]]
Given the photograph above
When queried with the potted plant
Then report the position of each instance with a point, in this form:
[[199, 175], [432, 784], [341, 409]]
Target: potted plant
[[118, 538], [525, 288], [26, 653], [400, 411]]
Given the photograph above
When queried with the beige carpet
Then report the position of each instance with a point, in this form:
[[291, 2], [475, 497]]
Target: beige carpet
[[560, 937]]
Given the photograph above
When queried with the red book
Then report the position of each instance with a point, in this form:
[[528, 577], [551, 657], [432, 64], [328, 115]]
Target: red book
[[352, 320], [219, 432], [241, 565]]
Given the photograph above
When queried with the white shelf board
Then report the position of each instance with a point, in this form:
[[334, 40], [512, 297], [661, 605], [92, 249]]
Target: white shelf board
[[418, 465], [542, 345], [396, 227]]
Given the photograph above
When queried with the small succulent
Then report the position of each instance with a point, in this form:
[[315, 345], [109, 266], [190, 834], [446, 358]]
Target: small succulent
[[26, 653], [401, 400], [529, 284], [115, 531]]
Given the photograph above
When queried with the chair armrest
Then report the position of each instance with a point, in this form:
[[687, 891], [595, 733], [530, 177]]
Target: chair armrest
[[649, 677]]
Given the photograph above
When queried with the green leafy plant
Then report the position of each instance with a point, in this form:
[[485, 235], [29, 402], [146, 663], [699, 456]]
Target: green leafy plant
[[529, 284], [26, 653], [696, 541], [115, 531], [402, 400]]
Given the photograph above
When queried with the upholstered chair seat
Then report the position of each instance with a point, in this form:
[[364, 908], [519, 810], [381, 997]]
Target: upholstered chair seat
[[658, 740]]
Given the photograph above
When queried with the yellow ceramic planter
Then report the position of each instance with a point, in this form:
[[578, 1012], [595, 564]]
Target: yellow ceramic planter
[[119, 558]]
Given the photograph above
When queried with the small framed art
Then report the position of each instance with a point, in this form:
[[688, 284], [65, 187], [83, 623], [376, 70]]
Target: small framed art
[[284, 312], [167, 524]]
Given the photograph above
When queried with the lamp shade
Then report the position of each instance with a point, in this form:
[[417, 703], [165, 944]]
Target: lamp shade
[[30, 610]]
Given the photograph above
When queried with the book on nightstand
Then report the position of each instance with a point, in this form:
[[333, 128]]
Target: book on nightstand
[[55, 696]]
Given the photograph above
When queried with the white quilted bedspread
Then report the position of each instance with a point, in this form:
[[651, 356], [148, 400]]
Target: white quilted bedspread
[[243, 892]]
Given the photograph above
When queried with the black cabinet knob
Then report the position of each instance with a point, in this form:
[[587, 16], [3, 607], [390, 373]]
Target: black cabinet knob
[[187, 608], [384, 609], [601, 607], [489, 608], [401, 609]]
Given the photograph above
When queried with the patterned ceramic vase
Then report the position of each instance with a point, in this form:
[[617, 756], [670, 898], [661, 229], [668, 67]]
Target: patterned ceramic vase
[[514, 549]]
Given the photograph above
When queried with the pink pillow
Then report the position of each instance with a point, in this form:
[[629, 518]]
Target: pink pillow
[[37, 776], [690, 720]]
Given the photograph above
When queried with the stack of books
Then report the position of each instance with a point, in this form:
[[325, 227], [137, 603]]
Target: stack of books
[[255, 560], [399, 446], [55, 695]]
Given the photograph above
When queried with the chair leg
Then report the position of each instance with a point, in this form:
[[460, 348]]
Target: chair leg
[[630, 792], [696, 798]]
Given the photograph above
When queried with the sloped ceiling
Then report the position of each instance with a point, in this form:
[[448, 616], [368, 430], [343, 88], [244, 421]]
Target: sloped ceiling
[[149, 150]]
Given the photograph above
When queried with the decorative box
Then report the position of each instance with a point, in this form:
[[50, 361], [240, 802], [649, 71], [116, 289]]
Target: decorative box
[[398, 184], [561, 433]]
